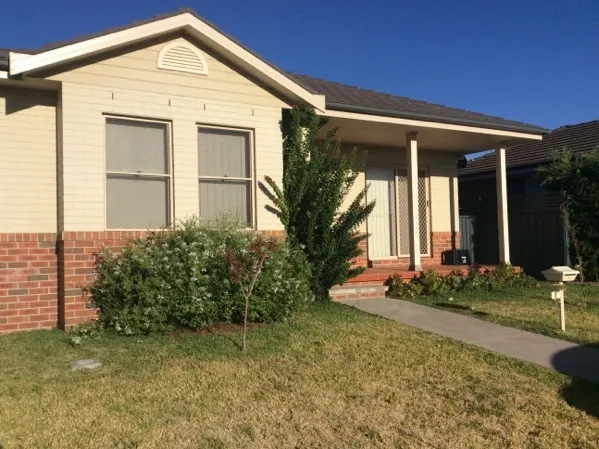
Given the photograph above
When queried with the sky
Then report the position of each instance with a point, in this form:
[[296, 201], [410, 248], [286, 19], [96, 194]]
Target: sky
[[536, 61]]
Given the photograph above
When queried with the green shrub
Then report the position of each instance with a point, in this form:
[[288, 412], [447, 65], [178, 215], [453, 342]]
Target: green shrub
[[476, 278], [454, 281], [399, 288], [575, 177], [317, 179], [431, 283], [179, 279], [505, 276]]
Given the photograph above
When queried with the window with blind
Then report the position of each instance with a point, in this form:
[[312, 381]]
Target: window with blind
[[138, 175], [225, 173]]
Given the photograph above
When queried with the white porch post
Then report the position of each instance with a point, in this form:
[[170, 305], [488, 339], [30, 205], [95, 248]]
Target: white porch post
[[412, 166], [502, 210]]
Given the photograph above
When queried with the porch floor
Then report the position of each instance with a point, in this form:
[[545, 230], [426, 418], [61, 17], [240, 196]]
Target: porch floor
[[380, 275]]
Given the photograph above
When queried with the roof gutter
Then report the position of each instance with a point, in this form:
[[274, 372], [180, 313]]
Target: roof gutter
[[431, 118]]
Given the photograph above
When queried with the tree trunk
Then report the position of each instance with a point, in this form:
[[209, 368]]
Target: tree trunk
[[245, 323]]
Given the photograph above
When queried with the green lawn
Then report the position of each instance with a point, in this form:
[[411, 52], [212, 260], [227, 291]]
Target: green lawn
[[330, 378], [531, 309]]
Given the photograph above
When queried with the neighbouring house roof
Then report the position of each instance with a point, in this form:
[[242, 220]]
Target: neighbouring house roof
[[3, 59], [579, 138], [339, 97]]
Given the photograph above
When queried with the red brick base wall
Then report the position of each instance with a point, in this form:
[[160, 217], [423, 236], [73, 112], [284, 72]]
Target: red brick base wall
[[362, 260], [440, 241], [42, 275], [28, 282], [78, 252]]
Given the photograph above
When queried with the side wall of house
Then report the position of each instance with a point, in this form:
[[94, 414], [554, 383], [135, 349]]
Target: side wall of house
[[28, 160], [53, 171], [538, 234], [28, 261]]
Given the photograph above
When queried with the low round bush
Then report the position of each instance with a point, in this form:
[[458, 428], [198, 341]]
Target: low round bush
[[431, 283], [179, 279]]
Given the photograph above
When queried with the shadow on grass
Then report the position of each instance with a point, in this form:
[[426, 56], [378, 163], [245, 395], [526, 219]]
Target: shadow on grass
[[581, 362], [468, 309], [229, 337]]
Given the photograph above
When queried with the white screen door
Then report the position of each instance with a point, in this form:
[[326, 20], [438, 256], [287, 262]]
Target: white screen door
[[382, 221]]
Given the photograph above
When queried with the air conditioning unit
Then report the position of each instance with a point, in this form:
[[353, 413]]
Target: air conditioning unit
[[456, 257]]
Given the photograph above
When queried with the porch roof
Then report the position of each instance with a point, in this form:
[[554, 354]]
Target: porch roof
[[342, 97]]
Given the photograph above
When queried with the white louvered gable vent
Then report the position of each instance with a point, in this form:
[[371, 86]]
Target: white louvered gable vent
[[182, 57]]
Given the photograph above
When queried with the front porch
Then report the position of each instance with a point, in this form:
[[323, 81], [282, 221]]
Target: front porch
[[381, 275], [410, 172]]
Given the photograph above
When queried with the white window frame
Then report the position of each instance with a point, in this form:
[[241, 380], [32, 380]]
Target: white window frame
[[251, 179], [396, 170], [131, 175]]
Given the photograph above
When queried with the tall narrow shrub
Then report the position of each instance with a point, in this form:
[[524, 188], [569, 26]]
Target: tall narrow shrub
[[577, 177], [317, 177]]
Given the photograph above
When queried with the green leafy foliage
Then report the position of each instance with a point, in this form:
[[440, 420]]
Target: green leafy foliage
[[179, 279], [430, 283], [317, 178], [577, 177], [83, 332]]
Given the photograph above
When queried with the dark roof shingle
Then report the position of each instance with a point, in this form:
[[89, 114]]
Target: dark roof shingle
[[355, 99], [579, 138]]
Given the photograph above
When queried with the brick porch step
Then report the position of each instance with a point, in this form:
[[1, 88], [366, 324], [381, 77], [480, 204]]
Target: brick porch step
[[365, 291]]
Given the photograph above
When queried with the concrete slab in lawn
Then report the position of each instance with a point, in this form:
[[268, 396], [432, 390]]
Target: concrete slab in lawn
[[85, 364], [565, 357]]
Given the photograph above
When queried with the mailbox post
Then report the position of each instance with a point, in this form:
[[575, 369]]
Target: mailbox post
[[559, 275]]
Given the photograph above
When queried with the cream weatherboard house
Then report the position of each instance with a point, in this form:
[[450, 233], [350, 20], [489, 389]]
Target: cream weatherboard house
[[109, 135]]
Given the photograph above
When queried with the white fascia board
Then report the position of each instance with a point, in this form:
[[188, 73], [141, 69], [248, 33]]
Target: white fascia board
[[22, 63], [434, 125]]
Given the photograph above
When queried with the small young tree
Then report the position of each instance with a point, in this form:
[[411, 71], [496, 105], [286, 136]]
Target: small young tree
[[317, 177], [577, 177], [245, 268]]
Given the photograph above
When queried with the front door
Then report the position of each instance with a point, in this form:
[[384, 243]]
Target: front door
[[382, 221], [388, 223]]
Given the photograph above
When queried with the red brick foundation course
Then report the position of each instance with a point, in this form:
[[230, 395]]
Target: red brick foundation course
[[28, 281], [78, 256], [362, 260], [440, 241], [42, 276]]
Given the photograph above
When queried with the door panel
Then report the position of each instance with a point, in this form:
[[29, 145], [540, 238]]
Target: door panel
[[423, 212], [382, 221]]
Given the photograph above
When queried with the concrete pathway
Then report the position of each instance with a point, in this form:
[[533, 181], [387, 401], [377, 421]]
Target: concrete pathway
[[565, 357]]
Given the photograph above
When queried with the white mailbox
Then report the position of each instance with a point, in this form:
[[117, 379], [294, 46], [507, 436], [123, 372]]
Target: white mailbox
[[560, 274]]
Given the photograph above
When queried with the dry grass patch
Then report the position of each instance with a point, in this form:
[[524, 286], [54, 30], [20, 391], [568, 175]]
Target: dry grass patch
[[331, 378], [531, 309]]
